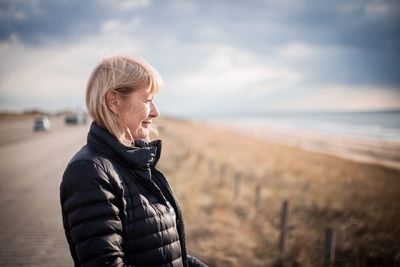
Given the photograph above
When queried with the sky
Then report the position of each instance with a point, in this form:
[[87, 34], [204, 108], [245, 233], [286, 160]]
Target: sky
[[215, 57]]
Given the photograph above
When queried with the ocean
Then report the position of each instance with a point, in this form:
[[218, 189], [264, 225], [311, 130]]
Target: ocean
[[382, 125]]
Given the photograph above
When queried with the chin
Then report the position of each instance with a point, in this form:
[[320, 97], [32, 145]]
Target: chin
[[144, 134]]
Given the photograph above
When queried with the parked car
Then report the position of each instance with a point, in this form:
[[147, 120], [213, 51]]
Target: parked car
[[41, 124], [75, 119]]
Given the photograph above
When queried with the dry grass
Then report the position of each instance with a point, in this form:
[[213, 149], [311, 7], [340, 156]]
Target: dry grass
[[360, 201]]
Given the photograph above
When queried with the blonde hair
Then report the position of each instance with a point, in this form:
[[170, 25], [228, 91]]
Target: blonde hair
[[123, 74]]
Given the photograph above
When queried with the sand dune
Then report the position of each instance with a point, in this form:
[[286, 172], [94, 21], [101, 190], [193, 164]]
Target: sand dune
[[216, 172]]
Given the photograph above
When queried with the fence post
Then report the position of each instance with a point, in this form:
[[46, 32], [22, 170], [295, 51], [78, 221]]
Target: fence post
[[200, 158], [330, 240], [282, 236], [237, 191], [211, 167], [360, 257], [258, 198]]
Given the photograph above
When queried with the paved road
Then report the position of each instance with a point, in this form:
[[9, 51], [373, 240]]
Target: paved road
[[31, 232], [12, 131]]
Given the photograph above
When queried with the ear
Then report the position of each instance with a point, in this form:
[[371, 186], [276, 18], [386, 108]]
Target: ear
[[113, 101]]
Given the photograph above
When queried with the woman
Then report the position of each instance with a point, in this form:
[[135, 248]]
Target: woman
[[117, 208]]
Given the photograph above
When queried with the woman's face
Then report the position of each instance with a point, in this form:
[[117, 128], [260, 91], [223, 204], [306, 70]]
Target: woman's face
[[136, 112]]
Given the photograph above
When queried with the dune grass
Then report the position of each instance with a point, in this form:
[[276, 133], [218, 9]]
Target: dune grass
[[215, 174]]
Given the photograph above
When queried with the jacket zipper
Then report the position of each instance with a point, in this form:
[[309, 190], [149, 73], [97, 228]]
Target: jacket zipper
[[179, 223]]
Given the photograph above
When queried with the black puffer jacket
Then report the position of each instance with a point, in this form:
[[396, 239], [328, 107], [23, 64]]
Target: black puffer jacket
[[118, 209]]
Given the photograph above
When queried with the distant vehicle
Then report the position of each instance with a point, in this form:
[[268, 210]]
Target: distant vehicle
[[41, 124], [75, 119]]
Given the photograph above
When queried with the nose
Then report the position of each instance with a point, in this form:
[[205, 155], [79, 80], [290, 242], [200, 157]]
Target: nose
[[154, 110]]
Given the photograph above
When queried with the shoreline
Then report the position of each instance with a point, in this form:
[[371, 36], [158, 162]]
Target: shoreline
[[359, 149]]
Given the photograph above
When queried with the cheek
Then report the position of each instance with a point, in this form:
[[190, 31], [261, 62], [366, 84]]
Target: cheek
[[136, 115], [141, 112]]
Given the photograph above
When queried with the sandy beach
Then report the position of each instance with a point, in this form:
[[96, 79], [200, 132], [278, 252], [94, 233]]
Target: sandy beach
[[360, 149]]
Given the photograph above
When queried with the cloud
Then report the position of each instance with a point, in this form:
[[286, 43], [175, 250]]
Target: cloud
[[40, 73], [54, 72], [119, 27], [228, 69], [296, 50], [19, 10], [34, 22], [182, 7], [219, 54], [125, 5], [381, 9]]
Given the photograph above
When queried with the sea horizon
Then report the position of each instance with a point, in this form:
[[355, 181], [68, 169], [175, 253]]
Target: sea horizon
[[372, 137], [381, 125]]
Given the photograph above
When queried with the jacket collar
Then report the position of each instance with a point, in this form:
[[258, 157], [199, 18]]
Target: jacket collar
[[141, 156]]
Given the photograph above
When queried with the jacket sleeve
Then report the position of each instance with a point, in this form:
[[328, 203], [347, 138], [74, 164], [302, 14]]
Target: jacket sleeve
[[195, 262], [90, 216]]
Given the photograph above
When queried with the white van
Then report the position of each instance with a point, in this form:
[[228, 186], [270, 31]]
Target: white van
[[41, 123]]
